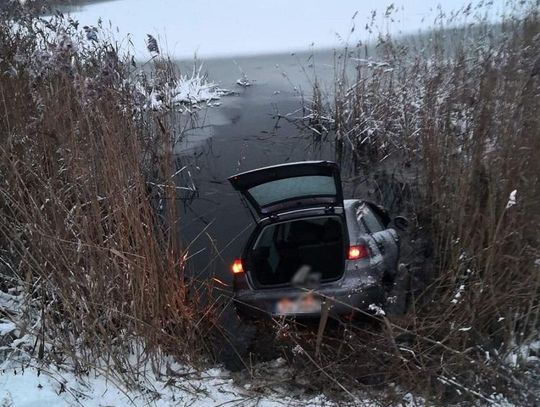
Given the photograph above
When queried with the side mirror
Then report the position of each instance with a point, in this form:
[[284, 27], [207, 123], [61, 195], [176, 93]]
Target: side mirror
[[401, 223]]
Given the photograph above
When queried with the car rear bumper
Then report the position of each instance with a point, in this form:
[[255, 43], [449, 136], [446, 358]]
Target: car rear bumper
[[340, 301]]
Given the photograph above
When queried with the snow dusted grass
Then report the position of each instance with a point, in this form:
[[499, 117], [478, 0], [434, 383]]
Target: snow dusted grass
[[157, 381], [196, 88], [459, 107], [210, 388], [183, 93], [179, 387]]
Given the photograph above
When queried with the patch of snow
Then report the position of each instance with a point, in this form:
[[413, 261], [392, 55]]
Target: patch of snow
[[378, 310], [244, 82], [511, 199], [458, 294], [297, 350], [527, 352], [154, 101], [6, 327], [188, 90], [26, 382], [25, 340], [371, 63], [10, 303], [196, 89], [53, 387]]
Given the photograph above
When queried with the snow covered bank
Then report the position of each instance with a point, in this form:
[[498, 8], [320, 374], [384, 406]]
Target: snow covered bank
[[24, 381], [51, 387], [154, 381]]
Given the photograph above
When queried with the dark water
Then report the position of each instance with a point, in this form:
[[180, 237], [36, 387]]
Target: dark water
[[259, 126], [246, 132]]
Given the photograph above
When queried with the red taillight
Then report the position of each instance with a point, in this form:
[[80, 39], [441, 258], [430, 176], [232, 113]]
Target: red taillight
[[357, 252], [237, 267]]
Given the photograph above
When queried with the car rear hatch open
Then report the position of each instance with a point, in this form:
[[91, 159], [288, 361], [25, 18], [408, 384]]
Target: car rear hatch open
[[299, 208], [290, 187]]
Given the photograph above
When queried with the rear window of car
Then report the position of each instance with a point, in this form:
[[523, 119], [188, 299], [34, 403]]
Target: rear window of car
[[305, 231], [368, 220], [291, 188]]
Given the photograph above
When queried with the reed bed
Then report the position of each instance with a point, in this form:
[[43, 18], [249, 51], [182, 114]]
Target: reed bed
[[88, 213], [458, 106]]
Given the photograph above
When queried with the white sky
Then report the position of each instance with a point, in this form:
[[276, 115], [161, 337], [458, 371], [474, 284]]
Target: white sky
[[246, 27]]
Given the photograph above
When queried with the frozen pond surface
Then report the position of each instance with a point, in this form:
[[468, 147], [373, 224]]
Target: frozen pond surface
[[242, 27]]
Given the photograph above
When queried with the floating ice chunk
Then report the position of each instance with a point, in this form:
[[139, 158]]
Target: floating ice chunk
[[244, 82]]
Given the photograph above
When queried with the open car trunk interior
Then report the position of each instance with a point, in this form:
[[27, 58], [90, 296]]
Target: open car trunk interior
[[309, 246]]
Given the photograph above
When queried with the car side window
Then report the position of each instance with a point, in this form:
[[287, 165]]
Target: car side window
[[368, 220]]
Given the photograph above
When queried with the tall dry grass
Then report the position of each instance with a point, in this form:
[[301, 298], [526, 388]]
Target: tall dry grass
[[461, 104], [87, 199]]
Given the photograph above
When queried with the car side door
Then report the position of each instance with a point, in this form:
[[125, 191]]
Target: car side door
[[386, 239]]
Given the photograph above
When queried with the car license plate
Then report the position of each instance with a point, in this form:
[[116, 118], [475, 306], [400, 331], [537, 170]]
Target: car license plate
[[306, 304]]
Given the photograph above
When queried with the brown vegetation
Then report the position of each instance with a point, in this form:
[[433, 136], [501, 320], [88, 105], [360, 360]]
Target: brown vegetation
[[87, 199], [461, 106], [87, 219]]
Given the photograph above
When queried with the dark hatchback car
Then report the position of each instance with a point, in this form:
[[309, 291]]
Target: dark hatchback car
[[310, 246]]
